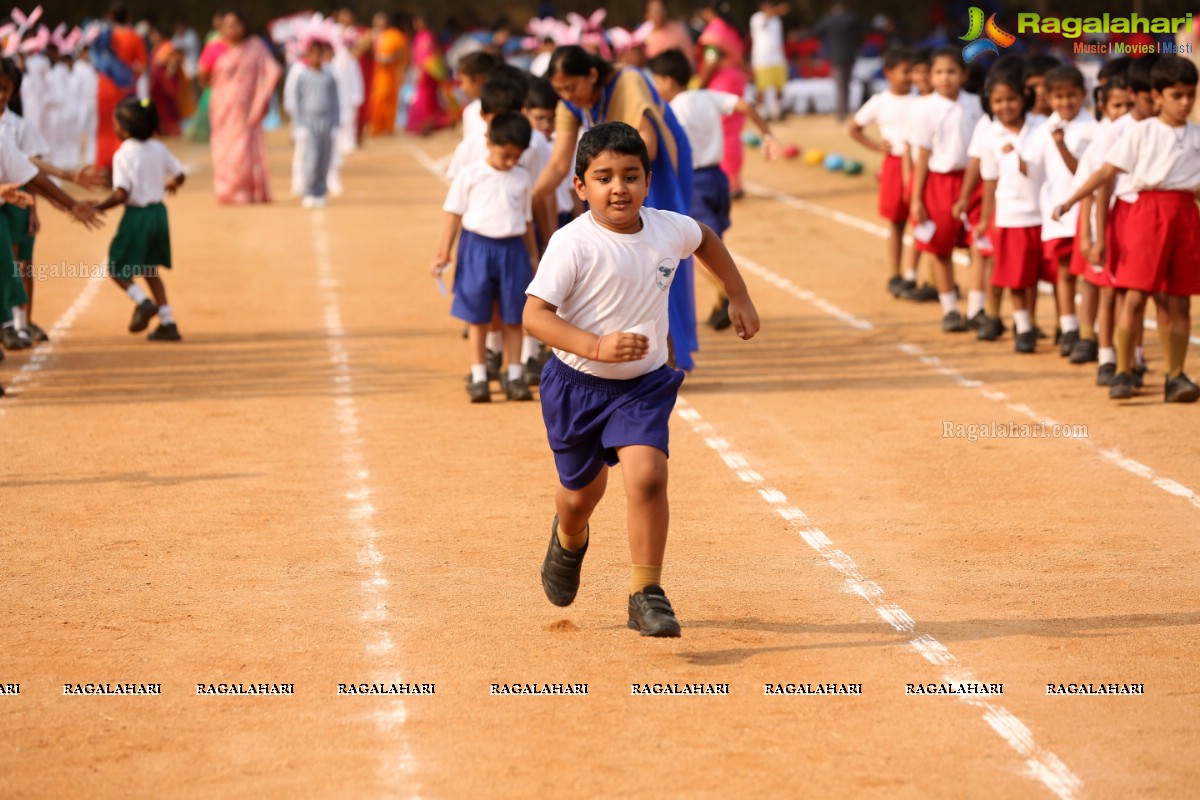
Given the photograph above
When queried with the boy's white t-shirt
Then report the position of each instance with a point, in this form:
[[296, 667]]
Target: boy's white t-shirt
[[494, 203], [24, 134], [142, 169], [605, 282], [700, 112], [944, 128], [534, 159], [1159, 157], [1123, 187], [1043, 152], [1017, 203], [891, 113], [472, 121], [1093, 159], [766, 41]]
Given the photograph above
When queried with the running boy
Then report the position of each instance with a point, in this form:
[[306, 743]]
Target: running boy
[[491, 201], [600, 300], [1160, 248], [143, 170]]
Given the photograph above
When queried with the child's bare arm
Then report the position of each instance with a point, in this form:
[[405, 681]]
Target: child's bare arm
[[531, 244], [856, 133], [449, 233], [117, 198], [175, 183], [987, 209], [1101, 176], [714, 255], [770, 146], [1060, 141], [83, 212], [918, 211], [84, 176], [1100, 202], [543, 322], [11, 193], [970, 181]]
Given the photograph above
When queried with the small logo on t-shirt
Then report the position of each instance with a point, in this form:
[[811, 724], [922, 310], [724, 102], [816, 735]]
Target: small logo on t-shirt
[[664, 273]]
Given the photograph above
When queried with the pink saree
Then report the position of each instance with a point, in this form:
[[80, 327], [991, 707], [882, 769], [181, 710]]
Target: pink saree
[[729, 76], [243, 79]]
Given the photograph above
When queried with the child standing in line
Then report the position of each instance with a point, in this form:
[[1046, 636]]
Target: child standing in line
[[890, 110], [942, 124], [700, 112], [1056, 151], [541, 103], [1160, 246], [600, 300], [143, 171], [317, 112], [473, 70], [1034, 71], [1010, 193], [491, 201], [921, 87]]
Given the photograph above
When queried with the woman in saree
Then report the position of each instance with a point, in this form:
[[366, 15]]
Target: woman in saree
[[390, 67], [433, 105], [723, 69], [120, 58], [242, 73], [591, 91], [169, 87]]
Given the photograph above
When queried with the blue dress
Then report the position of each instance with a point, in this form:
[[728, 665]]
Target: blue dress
[[670, 190]]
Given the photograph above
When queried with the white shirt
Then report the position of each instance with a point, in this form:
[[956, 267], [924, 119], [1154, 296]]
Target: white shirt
[[605, 282], [534, 159], [473, 125], [142, 169], [24, 134], [1093, 159], [494, 203], [15, 166], [1159, 157], [1043, 152], [766, 41], [700, 112], [890, 112], [944, 127], [1017, 194]]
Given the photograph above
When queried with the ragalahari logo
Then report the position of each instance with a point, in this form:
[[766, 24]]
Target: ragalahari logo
[[993, 33]]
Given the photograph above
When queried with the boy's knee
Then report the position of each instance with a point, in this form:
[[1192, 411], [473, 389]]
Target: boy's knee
[[650, 481]]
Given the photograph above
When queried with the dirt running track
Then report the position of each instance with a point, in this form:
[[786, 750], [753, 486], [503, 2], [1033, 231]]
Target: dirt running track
[[300, 493]]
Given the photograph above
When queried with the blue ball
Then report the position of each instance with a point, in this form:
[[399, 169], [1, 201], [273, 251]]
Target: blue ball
[[751, 139], [834, 162]]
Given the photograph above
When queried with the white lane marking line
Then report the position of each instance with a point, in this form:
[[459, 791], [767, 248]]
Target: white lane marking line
[[1168, 485], [1041, 764], [398, 768], [42, 352]]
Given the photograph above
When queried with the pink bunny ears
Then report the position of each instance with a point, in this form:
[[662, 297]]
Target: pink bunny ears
[[297, 31], [13, 35], [586, 32]]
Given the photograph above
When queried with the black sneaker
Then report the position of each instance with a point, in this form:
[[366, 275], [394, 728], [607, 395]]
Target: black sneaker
[[1181, 389], [533, 372], [1, 391], [1058, 334], [1085, 351], [517, 389], [142, 314], [976, 322], [166, 332], [650, 613], [493, 365], [1121, 387], [36, 333], [561, 568], [1067, 343], [1139, 375], [13, 340], [991, 330], [953, 323], [895, 285], [480, 392], [1105, 375], [720, 317], [921, 294], [1026, 342], [1038, 333]]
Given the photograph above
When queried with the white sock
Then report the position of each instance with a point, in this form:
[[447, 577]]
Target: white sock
[[495, 341], [19, 321], [135, 293], [949, 301], [530, 347], [515, 372], [165, 315], [479, 373], [1139, 356], [910, 275], [1021, 321], [1108, 355], [1068, 322], [975, 302]]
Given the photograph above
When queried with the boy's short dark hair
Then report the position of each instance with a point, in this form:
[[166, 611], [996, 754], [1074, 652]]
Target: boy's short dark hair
[[1037, 66], [138, 117], [477, 64], [541, 96], [610, 137], [1113, 67], [949, 51], [1139, 73], [922, 55], [510, 128], [1170, 70], [894, 56], [672, 64], [1065, 76], [501, 96], [510, 73]]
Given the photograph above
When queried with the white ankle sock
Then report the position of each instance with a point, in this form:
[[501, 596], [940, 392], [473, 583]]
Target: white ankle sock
[[165, 315], [911, 275], [1139, 356], [1108, 355], [479, 373], [1068, 322], [19, 321], [135, 293], [1021, 321], [515, 372], [975, 302], [530, 347], [495, 341], [949, 301]]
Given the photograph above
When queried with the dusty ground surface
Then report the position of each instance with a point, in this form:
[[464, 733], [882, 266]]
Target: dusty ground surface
[[300, 493]]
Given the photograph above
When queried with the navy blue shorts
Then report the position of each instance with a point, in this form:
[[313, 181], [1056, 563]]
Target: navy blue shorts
[[490, 271], [588, 418], [710, 199]]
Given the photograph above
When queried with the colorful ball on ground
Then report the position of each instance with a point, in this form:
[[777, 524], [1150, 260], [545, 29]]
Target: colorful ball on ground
[[814, 156], [834, 162], [853, 167], [751, 139], [791, 151]]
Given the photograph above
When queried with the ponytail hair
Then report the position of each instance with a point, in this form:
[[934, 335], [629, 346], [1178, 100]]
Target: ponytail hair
[[573, 60]]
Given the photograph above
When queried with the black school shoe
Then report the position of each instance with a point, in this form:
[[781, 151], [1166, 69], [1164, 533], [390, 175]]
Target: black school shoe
[[920, 294], [166, 332], [1085, 351], [492, 359], [897, 285], [650, 613], [1121, 387], [561, 568], [1139, 375], [1026, 342], [952, 322], [517, 389], [36, 333], [1181, 389], [143, 312], [1105, 375], [720, 317], [976, 322], [13, 340], [1067, 343], [479, 392], [991, 330]]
